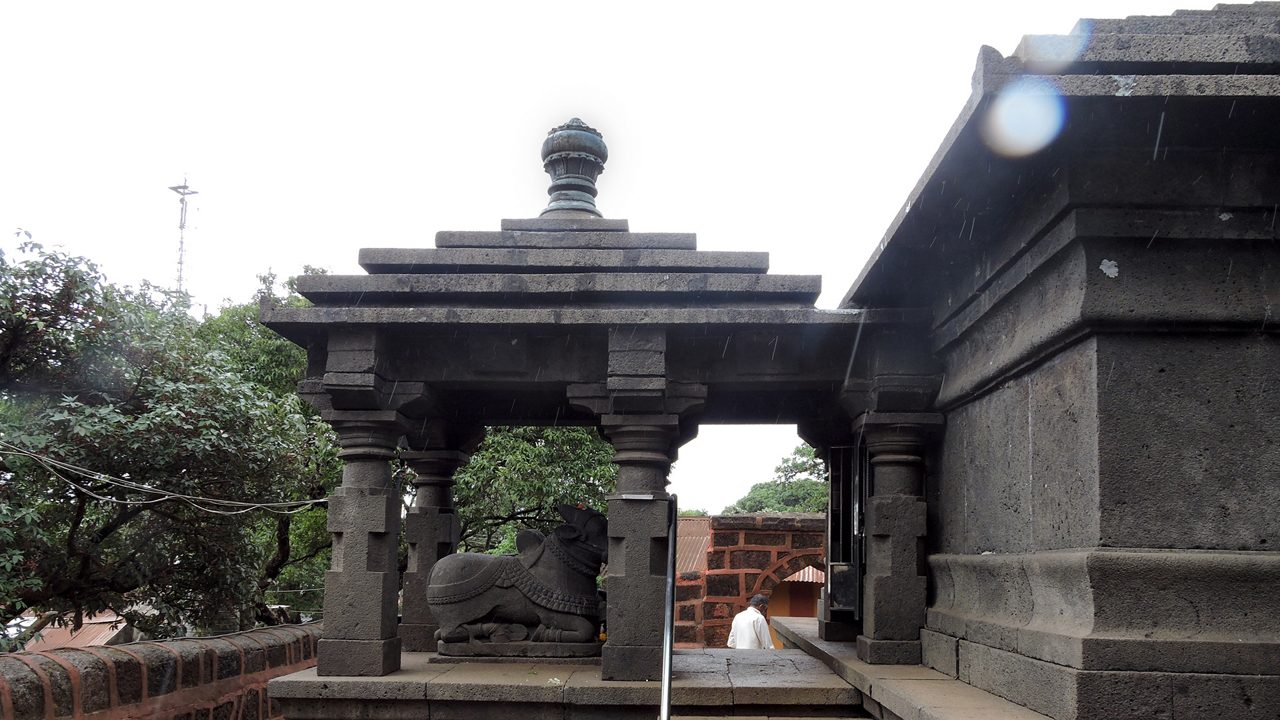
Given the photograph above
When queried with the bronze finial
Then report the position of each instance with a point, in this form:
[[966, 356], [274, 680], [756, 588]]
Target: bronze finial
[[573, 155]]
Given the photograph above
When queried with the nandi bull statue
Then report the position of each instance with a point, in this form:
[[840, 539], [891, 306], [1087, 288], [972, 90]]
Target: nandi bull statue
[[542, 602]]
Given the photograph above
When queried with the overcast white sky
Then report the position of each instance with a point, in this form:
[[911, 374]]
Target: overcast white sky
[[313, 129]]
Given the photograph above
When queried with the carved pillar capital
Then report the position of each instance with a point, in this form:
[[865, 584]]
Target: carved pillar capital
[[642, 450], [433, 472], [907, 441], [367, 435]]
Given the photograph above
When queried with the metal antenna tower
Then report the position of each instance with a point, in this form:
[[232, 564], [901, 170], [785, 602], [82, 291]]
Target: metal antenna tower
[[183, 191]]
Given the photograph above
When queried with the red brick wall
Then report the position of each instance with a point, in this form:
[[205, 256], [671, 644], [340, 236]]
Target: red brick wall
[[691, 587], [222, 678], [749, 554]]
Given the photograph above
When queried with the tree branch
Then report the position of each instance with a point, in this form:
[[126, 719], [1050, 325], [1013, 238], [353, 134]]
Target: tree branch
[[17, 643]]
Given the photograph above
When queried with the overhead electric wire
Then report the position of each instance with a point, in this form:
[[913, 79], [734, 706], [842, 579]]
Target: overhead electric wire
[[195, 501]]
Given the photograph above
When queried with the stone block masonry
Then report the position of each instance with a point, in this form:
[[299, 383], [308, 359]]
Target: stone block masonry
[[213, 678], [1097, 539]]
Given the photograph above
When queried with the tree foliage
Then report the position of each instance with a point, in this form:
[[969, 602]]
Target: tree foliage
[[52, 307], [802, 464], [127, 386], [118, 410], [799, 485], [518, 475]]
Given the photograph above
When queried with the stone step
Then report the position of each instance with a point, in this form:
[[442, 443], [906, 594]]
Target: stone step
[[711, 683], [1047, 53], [567, 224], [582, 240], [299, 323], [771, 716], [906, 691], [1256, 8], [561, 288], [1212, 24], [494, 260]]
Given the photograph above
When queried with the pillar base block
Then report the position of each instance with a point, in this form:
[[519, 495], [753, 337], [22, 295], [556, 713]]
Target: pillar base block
[[631, 662], [888, 652], [418, 637], [372, 658], [837, 631]]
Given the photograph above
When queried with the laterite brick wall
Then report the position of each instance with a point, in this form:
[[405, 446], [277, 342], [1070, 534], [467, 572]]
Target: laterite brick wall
[[217, 678], [748, 554], [691, 588]]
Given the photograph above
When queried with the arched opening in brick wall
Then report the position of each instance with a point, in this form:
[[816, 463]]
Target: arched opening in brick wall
[[790, 598], [747, 554]]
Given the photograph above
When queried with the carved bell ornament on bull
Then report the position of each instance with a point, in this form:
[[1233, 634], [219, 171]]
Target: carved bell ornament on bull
[[573, 155]]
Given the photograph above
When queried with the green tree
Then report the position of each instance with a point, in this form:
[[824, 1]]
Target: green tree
[[52, 308], [292, 549], [799, 485], [802, 464], [694, 512], [115, 419], [518, 475]]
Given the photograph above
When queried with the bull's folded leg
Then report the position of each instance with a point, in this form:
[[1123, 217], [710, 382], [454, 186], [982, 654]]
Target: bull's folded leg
[[545, 634], [455, 633], [579, 630], [507, 632]]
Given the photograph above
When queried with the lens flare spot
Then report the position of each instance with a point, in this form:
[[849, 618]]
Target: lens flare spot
[[1026, 116]]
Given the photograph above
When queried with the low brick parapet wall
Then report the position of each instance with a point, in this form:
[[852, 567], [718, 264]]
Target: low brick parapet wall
[[212, 678]]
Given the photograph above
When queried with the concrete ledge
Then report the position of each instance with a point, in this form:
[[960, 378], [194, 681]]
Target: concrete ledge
[[910, 692]]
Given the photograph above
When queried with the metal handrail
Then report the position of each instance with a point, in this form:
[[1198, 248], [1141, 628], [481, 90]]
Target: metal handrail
[[668, 623]]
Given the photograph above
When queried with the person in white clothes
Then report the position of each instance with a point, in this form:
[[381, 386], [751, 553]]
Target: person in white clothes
[[750, 630]]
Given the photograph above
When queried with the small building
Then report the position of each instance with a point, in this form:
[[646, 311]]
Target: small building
[[105, 628]]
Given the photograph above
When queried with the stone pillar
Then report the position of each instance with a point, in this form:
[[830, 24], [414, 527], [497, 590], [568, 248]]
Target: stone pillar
[[431, 530], [361, 586], [893, 601], [637, 567]]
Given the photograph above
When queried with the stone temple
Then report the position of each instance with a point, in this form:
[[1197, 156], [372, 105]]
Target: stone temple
[[1050, 404]]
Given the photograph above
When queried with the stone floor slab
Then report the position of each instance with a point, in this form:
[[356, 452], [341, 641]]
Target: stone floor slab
[[515, 682], [718, 682], [911, 692]]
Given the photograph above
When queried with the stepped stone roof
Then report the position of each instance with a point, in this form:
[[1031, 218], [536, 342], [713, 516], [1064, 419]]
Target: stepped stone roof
[[573, 299], [582, 271]]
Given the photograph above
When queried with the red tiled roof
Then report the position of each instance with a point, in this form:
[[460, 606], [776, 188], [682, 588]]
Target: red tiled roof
[[693, 536], [807, 575], [96, 630]]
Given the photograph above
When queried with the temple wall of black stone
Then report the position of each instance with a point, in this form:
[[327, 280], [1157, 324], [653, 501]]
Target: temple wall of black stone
[[1104, 314]]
